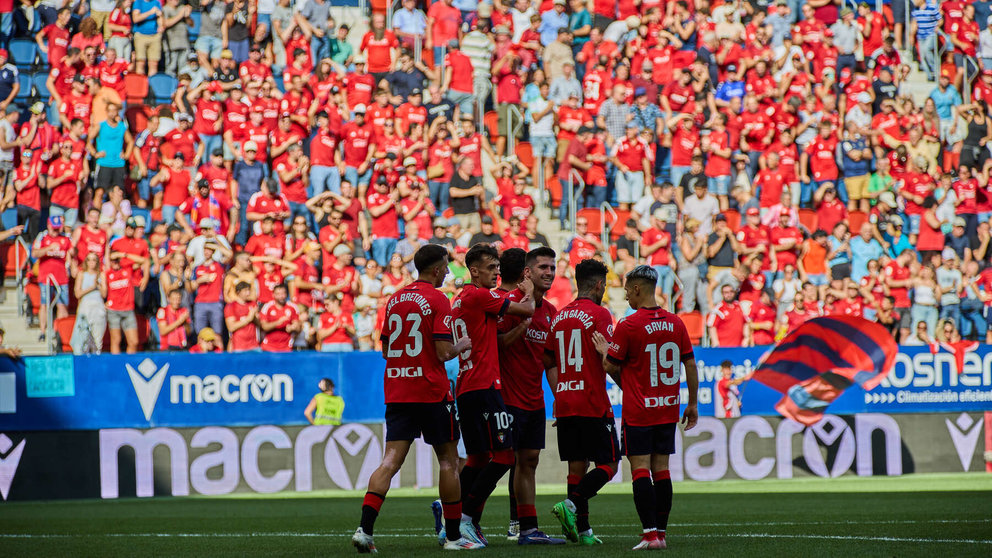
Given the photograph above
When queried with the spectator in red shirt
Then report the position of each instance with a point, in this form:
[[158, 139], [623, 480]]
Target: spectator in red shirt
[[280, 320], [241, 319], [728, 326], [380, 47], [207, 342], [121, 282], [761, 320], [630, 156], [208, 309], [337, 328], [174, 323], [51, 249]]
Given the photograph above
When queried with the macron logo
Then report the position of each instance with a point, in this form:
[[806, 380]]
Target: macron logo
[[964, 433], [147, 381], [9, 460]]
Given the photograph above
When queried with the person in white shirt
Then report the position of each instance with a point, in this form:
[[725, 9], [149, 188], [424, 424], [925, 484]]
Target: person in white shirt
[[703, 207]]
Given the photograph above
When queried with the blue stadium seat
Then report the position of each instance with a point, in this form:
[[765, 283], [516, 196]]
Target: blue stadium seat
[[41, 85], [27, 81], [194, 30], [24, 53], [162, 87]]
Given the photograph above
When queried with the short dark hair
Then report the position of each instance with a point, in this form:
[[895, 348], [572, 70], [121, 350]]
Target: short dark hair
[[281, 286], [428, 256], [242, 285], [539, 252], [644, 274], [511, 265], [588, 273], [726, 364], [479, 252]]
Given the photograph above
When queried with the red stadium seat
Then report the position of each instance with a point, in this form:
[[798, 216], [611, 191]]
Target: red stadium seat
[[620, 226], [808, 219], [136, 86], [11, 262], [491, 120], [63, 328], [694, 325], [594, 216], [34, 296], [137, 118], [525, 153], [733, 219], [448, 213], [854, 221]]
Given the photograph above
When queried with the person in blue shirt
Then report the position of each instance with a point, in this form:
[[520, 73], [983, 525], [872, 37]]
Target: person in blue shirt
[[898, 242], [551, 22], [864, 248], [732, 87], [580, 24], [945, 97], [249, 173], [146, 16]]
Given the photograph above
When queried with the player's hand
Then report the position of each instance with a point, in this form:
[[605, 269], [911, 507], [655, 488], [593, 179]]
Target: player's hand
[[526, 286], [462, 345], [602, 347], [689, 417]]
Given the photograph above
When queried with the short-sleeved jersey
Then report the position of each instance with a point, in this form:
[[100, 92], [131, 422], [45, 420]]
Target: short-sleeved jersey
[[650, 346], [521, 365], [416, 317], [278, 340], [581, 389], [475, 314]]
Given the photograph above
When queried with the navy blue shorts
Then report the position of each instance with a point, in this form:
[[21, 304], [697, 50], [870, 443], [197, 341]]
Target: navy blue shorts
[[485, 421], [528, 428], [437, 422], [648, 440], [588, 439]]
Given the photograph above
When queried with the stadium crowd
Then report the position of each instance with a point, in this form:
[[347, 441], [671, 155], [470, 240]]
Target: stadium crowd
[[763, 157]]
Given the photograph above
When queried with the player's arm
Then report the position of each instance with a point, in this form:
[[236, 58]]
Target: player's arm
[[446, 350], [513, 335], [525, 307], [691, 413]]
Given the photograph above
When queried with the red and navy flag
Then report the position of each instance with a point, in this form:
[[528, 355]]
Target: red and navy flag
[[817, 361]]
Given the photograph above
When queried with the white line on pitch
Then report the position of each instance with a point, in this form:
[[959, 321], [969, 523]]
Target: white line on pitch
[[399, 535]]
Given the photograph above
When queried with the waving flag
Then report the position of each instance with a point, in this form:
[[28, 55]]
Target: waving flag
[[817, 361]]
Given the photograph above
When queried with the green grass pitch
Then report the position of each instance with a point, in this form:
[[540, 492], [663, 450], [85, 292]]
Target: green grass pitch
[[914, 515]]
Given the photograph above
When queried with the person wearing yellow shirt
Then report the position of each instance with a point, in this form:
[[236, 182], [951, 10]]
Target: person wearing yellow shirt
[[325, 407]]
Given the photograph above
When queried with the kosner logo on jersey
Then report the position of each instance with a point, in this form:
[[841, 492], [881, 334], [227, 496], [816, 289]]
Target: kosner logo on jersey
[[148, 380]]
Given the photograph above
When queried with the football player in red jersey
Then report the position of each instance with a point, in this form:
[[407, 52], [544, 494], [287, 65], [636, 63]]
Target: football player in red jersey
[[483, 416], [586, 427], [521, 350], [648, 352], [418, 340]]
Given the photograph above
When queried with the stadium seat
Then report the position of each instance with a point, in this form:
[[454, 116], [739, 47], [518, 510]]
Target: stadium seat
[[33, 292], [63, 329], [11, 261], [854, 221], [40, 82], [137, 118], [24, 53], [136, 86], [162, 87], [694, 325], [525, 154], [733, 219], [594, 216], [620, 226], [26, 80], [448, 213], [808, 219], [491, 120], [194, 30]]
